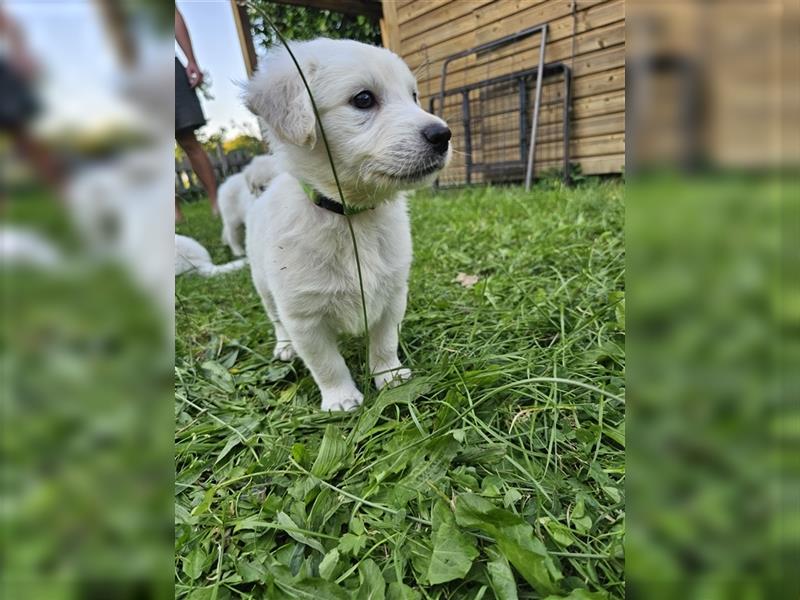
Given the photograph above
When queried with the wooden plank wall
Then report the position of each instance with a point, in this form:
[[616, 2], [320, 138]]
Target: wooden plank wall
[[425, 32]]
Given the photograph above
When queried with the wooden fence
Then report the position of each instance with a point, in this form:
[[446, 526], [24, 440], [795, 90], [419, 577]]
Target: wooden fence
[[225, 165], [587, 35]]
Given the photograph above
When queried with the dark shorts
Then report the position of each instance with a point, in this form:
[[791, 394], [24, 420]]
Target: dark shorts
[[18, 104], [188, 113]]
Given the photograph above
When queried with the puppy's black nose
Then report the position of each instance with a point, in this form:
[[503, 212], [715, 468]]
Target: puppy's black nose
[[438, 136]]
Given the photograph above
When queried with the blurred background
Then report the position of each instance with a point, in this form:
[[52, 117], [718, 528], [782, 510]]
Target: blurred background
[[86, 190], [712, 303]]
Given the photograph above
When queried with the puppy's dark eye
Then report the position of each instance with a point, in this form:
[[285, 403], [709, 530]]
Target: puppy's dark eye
[[415, 96], [363, 99]]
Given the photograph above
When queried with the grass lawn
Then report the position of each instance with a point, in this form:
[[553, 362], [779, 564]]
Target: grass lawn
[[496, 472]]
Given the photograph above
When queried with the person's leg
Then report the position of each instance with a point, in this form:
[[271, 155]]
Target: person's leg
[[178, 213], [201, 164]]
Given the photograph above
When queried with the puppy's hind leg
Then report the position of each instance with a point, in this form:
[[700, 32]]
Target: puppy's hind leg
[[283, 345], [232, 237], [384, 337], [316, 344]]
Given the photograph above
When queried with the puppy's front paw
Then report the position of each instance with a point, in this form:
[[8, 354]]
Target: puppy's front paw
[[392, 377], [284, 351], [343, 399]]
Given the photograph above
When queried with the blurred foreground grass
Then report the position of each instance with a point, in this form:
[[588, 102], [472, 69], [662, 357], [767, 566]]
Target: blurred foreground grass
[[86, 426], [713, 322]]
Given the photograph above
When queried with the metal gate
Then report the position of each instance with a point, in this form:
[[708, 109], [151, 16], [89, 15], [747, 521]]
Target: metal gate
[[492, 120]]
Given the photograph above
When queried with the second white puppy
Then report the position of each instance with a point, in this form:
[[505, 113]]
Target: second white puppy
[[298, 241], [236, 195], [192, 257]]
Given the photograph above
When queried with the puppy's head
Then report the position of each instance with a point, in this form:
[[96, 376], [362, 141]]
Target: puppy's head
[[367, 98], [259, 173]]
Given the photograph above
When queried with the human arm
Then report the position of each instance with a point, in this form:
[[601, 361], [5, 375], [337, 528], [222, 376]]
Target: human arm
[[193, 72]]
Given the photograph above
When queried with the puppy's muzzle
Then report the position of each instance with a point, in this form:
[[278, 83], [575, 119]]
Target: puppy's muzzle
[[438, 136]]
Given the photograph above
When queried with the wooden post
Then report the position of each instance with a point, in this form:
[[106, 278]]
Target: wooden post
[[390, 28], [244, 30], [223, 160], [117, 26]]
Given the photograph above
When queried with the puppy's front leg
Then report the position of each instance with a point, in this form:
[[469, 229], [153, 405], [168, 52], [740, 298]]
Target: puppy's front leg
[[384, 337], [316, 345], [233, 237]]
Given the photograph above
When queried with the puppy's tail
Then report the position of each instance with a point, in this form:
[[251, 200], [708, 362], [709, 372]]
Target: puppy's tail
[[210, 270]]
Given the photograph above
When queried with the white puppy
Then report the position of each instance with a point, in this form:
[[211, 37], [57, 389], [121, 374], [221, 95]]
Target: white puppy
[[237, 194], [27, 248], [192, 257], [298, 241]]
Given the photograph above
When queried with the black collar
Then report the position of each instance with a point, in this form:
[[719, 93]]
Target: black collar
[[328, 204], [331, 204]]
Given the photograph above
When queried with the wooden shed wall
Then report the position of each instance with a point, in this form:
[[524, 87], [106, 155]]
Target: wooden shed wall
[[425, 32]]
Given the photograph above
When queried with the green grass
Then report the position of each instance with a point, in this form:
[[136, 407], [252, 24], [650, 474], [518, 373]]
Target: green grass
[[496, 472], [87, 423]]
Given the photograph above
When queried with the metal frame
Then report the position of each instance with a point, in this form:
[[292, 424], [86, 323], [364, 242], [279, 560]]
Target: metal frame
[[637, 97], [522, 77], [541, 70], [493, 45], [536, 105]]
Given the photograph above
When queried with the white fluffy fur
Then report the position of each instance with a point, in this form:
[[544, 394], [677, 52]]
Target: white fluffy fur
[[121, 209], [237, 194], [192, 257], [301, 255], [26, 248]]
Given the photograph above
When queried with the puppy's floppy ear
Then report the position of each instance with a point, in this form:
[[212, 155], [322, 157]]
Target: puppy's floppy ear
[[277, 94]]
